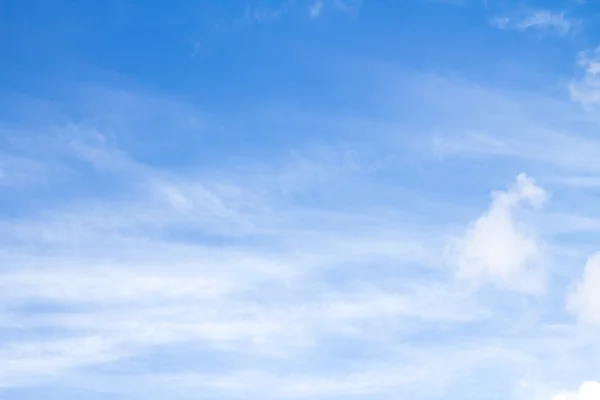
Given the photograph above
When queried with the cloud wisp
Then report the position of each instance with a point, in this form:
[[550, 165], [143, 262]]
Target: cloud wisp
[[541, 20], [224, 266], [586, 89]]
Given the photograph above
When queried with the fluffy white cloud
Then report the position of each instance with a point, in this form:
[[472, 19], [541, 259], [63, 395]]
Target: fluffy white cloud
[[584, 300], [497, 248], [588, 391]]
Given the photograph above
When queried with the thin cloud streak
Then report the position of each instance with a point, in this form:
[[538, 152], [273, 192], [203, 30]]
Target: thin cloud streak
[[541, 20]]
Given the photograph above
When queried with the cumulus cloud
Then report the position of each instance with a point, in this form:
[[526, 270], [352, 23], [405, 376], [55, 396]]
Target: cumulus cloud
[[588, 391], [586, 89], [541, 20], [584, 299], [497, 248]]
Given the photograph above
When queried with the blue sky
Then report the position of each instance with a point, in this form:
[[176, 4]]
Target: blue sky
[[324, 199]]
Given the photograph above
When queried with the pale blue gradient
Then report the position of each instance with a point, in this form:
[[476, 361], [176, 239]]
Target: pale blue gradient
[[293, 199]]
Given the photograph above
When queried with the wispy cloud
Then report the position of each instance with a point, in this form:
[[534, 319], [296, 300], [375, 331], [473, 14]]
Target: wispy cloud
[[315, 9], [257, 274], [586, 89], [286, 8], [541, 20], [346, 246], [241, 253], [253, 273]]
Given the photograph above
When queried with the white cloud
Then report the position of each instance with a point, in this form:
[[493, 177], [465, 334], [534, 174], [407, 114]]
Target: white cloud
[[586, 90], [584, 300], [541, 20], [497, 248], [588, 391]]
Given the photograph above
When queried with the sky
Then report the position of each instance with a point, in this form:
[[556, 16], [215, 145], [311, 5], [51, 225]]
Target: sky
[[299, 199]]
